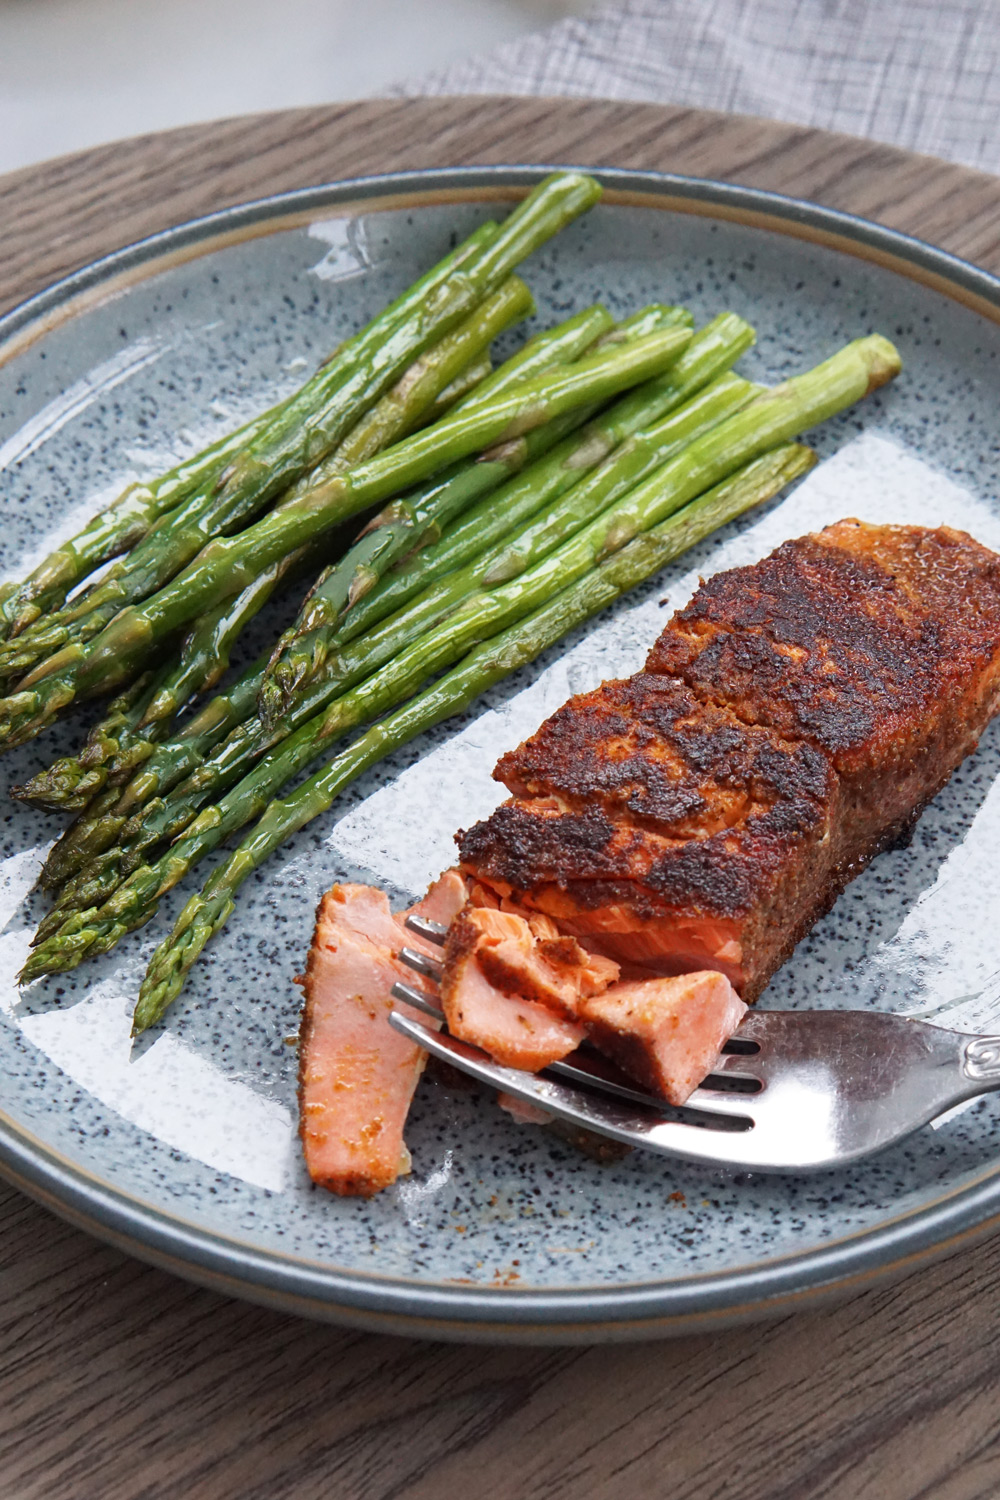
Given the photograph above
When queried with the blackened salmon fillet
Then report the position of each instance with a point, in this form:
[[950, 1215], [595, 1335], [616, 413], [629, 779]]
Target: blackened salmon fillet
[[791, 722]]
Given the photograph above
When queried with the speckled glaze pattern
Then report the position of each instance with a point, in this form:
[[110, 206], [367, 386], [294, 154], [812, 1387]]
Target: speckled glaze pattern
[[184, 1148]]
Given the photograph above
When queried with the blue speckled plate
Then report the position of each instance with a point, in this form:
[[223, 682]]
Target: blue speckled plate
[[183, 1150]]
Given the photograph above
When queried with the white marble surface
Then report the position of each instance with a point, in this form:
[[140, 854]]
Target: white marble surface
[[75, 73]]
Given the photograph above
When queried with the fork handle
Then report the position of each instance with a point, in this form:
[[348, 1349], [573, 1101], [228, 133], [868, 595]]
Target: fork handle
[[981, 1060]]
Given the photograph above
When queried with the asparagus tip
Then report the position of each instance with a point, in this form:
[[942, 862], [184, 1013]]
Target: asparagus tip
[[168, 968]]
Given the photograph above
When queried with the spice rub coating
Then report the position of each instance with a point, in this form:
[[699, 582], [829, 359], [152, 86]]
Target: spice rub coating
[[659, 827], [858, 639], [792, 721]]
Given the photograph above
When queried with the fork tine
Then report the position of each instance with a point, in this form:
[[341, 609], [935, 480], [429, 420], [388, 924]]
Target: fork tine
[[421, 963], [419, 999], [434, 932], [591, 1072], [596, 1112], [586, 1071]]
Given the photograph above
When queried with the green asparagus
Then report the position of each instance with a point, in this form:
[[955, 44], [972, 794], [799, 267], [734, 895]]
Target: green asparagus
[[101, 822], [636, 457], [116, 529], [362, 369], [711, 352], [473, 375], [412, 521], [129, 519], [130, 730], [221, 508], [398, 529], [227, 565]]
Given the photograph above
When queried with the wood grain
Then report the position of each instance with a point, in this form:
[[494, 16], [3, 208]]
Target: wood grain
[[65, 213], [118, 1382]]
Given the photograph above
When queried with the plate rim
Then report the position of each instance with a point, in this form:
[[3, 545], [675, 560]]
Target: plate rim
[[452, 1310]]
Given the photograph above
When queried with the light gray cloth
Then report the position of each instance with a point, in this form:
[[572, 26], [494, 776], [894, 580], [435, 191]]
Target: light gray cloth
[[923, 74]]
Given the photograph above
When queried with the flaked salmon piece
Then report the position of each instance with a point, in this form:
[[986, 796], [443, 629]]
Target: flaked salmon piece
[[482, 895], [527, 958], [542, 926], [357, 1075], [666, 1033], [641, 944], [443, 901], [547, 967], [515, 1030]]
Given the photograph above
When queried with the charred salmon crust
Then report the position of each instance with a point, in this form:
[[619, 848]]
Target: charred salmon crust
[[645, 751], [860, 640], [791, 722], [879, 645], [638, 798]]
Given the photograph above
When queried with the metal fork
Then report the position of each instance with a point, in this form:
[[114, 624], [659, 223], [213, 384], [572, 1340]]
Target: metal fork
[[793, 1090]]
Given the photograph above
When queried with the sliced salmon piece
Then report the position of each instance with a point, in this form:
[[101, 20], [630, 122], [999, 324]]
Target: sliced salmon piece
[[357, 1075], [666, 1033], [515, 1030], [443, 901]]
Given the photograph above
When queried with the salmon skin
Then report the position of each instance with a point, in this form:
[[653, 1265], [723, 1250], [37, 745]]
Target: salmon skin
[[791, 722]]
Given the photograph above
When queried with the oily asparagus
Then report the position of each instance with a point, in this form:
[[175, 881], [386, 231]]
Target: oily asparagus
[[116, 529], [486, 665], [407, 521], [712, 351], [631, 461], [227, 562], [103, 820], [222, 507], [227, 565], [410, 522], [129, 518], [134, 724], [474, 374], [311, 424]]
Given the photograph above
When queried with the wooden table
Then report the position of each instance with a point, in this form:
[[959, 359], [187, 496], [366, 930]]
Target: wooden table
[[119, 1382]]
